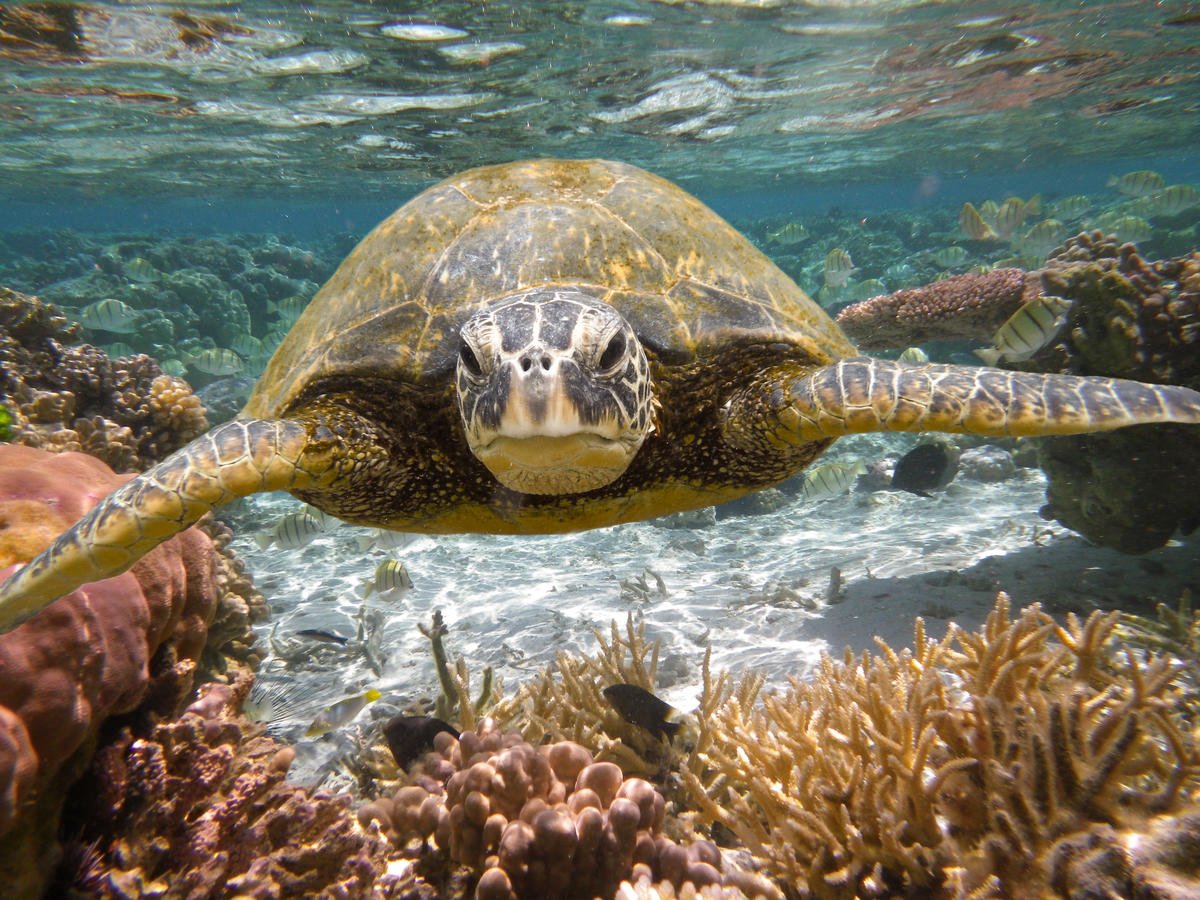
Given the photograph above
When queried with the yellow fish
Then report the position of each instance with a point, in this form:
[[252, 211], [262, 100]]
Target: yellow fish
[[1073, 207], [340, 713], [914, 356], [1041, 238], [830, 480], [1009, 216], [391, 578], [1132, 228], [1174, 199], [948, 257], [216, 361], [140, 271], [788, 233]]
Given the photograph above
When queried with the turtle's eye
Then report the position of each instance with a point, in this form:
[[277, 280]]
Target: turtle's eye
[[613, 352], [469, 360]]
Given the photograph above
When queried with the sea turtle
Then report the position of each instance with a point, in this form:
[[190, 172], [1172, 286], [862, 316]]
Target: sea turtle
[[549, 346]]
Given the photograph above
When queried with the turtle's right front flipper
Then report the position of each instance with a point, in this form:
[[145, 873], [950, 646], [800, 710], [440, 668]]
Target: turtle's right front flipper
[[233, 460]]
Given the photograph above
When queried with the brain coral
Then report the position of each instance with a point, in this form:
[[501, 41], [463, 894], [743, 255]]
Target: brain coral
[[98, 651]]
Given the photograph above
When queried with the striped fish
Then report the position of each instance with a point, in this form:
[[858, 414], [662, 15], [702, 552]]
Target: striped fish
[[1174, 199], [174, 367], [1041, 238], [1009, 216], [1027, 330], [830, 480], [1073, 207], [216, 361], [1132, 228], [247, 346], [391, 578], [838, 267], [948, 257], [971, 221], [788, 233], [1137, 184], [294, 530], [140, 271], [914, 356], [110, 315], [288, 310]]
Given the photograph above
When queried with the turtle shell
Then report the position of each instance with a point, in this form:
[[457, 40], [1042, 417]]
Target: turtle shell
[[686, 281]]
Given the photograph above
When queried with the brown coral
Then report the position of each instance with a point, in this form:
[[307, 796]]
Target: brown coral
[[1130, 318], [200, 808], [538, 821], [981, 763], [123, 411], [964, 307], [89, 655]]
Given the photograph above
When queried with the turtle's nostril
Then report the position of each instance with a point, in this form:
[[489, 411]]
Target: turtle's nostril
[[526, 364], [546, 362]]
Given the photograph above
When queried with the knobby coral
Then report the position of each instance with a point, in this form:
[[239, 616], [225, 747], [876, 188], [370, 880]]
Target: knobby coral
[[1129, 318], [543, 821]]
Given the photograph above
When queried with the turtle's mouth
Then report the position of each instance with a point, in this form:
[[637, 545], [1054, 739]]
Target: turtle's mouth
[[560, 464]]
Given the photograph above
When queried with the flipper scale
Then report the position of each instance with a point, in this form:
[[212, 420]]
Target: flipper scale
[[233, 460]]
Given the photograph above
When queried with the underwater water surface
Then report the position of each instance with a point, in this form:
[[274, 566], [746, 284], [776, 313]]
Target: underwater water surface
[[208, 166]]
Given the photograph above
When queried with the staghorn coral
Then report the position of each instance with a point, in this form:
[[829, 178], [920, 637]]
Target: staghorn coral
[[123, 411], [997, 764], [566, 701], [111, 646], [200, 807], [957, 308], [537, 821]]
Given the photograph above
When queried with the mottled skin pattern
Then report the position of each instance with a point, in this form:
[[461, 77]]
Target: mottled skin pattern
[[358, 410]]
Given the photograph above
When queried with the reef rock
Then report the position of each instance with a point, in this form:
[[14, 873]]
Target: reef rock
[[129, 641]]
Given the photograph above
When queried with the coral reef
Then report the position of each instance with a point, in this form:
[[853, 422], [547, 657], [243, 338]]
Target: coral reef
[[542, 821], [1130, 318], [199, 807], [125, 412], [957, 308], [1000, 764], [106, 648]]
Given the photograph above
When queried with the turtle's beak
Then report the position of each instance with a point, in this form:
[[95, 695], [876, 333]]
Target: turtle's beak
[[544, 440], [554, 392]]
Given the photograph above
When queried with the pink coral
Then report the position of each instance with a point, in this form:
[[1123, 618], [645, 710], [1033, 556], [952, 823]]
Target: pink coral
[[88, 655], [958, 308]]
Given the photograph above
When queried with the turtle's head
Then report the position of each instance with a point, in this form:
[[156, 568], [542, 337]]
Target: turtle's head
[[554, 391]]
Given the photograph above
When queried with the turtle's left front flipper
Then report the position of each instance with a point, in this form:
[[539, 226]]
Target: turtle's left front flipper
[[234, 460], [863, 394]]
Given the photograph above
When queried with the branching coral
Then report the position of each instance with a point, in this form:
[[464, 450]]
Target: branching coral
[[970, 764]]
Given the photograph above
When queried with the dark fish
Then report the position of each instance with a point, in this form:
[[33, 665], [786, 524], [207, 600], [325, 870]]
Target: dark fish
[[638, 706], [410, 737], [926, 467], [320, 634]]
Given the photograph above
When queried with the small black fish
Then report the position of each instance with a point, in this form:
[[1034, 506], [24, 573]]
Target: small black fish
[[410, 737], [320, 634], [926, 467], [638, 706]]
